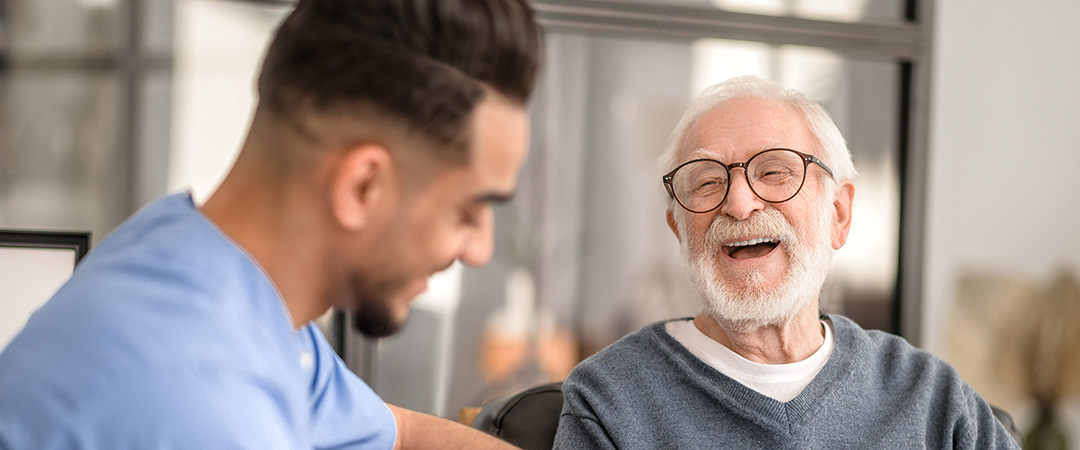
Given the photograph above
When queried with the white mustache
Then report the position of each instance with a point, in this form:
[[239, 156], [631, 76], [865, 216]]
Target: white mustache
[[768, 223]]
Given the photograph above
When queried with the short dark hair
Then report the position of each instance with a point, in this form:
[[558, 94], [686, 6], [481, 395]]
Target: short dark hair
[[423, 63]]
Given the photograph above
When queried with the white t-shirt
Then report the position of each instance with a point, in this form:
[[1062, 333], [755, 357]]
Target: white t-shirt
[[781, 382]]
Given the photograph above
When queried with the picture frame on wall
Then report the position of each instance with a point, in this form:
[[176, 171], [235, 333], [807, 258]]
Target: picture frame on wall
[[33, 264]]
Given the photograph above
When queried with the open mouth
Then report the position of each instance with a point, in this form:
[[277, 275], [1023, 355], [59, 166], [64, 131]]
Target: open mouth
[[752, 248]]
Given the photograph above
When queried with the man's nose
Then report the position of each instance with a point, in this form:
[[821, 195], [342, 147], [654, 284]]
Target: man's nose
[[741, 201], [480, 242]]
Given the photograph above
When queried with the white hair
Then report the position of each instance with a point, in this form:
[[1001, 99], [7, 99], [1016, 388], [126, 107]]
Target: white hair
[[833, 150]]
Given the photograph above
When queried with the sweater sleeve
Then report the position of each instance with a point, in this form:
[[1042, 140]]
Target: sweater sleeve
[[982, 429], [578, 426]]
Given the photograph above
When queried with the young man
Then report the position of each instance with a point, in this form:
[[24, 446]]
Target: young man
[[384, 132], [761, 195]]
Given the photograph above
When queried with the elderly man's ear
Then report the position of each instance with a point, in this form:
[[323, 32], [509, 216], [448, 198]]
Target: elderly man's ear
[[671, 224], [845, 195], [362, 177]]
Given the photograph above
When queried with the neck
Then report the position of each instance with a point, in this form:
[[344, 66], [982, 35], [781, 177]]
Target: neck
[[267, 216], [793, 340]]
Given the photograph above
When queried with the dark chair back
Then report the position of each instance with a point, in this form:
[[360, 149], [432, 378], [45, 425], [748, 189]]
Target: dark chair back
[[527, 419], [1006, 419]]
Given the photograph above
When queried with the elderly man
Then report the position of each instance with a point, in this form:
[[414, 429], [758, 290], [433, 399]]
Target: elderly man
[[761, 191], [385, 131]]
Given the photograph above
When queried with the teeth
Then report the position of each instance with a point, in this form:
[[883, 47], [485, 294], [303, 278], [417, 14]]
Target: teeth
[[750, 242]]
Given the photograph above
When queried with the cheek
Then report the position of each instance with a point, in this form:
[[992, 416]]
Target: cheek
[[694, 228], [433, 241], [812, 224]]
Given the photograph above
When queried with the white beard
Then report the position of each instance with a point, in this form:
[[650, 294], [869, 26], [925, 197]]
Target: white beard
[[753, 304]]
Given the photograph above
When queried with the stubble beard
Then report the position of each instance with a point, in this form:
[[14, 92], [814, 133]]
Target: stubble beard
[[375, 323], [750, 303], [373, 311]]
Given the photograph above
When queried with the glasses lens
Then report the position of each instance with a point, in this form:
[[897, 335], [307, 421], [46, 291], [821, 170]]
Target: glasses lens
[[701, 185], [776, 175]]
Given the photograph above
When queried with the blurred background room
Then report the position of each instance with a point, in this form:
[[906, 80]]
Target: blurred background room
[[961, 117]]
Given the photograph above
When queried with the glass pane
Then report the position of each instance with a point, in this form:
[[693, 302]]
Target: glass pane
[[50, 27], [153, 118], [882, 11], [865, 11], [59, 158], [157, 26]]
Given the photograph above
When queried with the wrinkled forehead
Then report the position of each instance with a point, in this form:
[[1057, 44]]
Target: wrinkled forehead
[[741, 127]]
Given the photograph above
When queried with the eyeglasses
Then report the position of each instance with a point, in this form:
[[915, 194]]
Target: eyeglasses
[[775, 176]]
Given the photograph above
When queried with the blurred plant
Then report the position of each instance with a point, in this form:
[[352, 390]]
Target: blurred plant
[[1041, 355], [1017, 340]]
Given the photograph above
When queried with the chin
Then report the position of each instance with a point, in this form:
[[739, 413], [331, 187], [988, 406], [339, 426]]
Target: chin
[[379, 308], [377, 326], [745, 300], [382, 316]]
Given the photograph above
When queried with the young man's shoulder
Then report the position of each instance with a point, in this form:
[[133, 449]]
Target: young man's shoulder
[[144, 337]]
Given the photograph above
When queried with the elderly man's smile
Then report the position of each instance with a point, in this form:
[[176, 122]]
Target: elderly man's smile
[[750, 248]]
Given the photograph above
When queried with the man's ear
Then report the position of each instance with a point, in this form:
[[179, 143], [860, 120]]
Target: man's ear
[[671, 224], [362, 178], [845, 195]]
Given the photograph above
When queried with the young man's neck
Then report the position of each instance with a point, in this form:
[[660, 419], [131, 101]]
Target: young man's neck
[[266, 221]]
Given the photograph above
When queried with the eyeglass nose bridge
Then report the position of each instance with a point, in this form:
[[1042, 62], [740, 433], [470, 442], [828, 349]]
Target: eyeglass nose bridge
[[739, 165], [745, 165]]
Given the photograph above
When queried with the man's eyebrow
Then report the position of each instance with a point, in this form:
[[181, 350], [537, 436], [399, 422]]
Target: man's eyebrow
[[700, 153], [493, 197], [772, 146]]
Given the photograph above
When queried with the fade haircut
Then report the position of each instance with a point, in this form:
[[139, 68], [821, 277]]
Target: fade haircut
[[832, 149], [420, 64]]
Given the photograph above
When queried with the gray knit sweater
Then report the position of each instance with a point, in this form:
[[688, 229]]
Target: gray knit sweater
[[647, 391]]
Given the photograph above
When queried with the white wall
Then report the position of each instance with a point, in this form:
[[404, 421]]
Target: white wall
[[219, 48], [1004, 178]]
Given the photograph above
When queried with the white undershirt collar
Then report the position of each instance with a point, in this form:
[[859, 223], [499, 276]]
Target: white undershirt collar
[[781, 382]]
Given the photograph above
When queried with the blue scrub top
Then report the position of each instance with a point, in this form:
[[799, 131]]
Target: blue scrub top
[[168, 335]]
